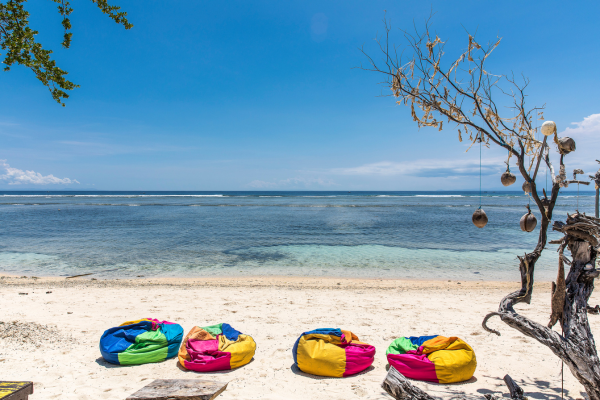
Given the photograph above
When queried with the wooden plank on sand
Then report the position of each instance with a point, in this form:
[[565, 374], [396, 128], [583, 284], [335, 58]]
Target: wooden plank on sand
[[15, 390], [180, 389]]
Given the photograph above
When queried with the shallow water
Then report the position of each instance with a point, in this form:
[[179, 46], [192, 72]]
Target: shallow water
[[425, 235]]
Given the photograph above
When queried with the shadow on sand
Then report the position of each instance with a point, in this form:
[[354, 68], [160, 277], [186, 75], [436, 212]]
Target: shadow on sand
[[298, 371], [225, 371]]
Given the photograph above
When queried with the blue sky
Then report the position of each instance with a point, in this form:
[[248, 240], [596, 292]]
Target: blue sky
[[262, 95]]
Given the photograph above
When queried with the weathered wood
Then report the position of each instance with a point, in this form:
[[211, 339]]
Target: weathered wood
[[180, 389], [582, 357], [400, 388], [580, 182], [78, 276], [559, 291], [516, 393], [11, 390], [576, 347]]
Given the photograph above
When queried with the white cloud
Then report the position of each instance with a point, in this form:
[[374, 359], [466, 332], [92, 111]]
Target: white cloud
[[586, 134], [426, 168], [292, 182], [16, 176], [589, 125]]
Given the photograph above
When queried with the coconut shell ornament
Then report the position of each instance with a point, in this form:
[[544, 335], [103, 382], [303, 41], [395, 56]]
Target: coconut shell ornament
[[548, 128], [526, 187], [528, 221], [508, 178], [566, 145], [480, 218]]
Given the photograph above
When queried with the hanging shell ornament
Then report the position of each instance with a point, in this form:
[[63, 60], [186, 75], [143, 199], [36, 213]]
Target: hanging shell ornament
[[480, 218], [508, 178], [548, 128], [526, 187], [528, 221], [566, 145]]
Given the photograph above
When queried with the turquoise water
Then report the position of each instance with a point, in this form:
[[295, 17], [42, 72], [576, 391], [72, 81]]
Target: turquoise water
[[425, 235]]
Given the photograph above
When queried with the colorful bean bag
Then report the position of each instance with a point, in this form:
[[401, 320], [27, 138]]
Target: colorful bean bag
[[332, 352], [215, 348], [139, 342], [432, 358]]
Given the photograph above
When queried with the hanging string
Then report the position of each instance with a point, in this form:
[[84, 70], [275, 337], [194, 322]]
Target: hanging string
[[530, 187], [562, 367], [562, 380], [480, 139]]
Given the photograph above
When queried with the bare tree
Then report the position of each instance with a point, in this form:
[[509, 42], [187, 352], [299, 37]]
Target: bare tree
[[463, 95]]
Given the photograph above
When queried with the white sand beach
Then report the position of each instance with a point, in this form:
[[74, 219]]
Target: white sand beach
[[60, 354]]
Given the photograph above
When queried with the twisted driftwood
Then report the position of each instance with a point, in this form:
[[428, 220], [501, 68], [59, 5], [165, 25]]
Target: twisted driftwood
[[576, 347], [400, 388], [516, 393]]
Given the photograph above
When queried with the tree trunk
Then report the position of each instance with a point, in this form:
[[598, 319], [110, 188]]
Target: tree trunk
[[576, 347], [582, 356], [400, 388]]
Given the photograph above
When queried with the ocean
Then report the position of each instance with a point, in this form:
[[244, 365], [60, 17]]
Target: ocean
[[412, 235]]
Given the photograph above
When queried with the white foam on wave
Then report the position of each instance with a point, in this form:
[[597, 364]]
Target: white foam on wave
[[148, 195], [439, 195], [27, 195], [129, 196]]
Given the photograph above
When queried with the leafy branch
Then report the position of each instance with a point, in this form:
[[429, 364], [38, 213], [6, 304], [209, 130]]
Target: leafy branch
[[18, 41]]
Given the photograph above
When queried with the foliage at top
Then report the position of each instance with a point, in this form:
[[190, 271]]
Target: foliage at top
[[19, 45]]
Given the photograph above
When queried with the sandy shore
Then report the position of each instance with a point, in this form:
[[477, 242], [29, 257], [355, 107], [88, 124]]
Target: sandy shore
[[60, 353]]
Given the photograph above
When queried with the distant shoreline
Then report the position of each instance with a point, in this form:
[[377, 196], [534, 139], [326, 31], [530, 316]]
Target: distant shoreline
[[497, 190], [297, 282]]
